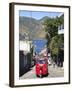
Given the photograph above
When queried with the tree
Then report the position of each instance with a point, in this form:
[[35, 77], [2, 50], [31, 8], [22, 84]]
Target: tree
[[54, 40], [55, 44], [51, 25]]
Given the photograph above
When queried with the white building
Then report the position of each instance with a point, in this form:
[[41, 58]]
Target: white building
[[61, 29], [25, 56], [25, 46]]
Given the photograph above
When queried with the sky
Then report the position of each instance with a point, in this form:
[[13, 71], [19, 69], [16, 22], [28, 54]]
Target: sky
[[38, 14]]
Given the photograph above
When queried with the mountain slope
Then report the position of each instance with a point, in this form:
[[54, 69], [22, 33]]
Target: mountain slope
[[32, 27]]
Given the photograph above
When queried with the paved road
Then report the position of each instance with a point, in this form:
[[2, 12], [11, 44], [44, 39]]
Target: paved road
[[53, 72]]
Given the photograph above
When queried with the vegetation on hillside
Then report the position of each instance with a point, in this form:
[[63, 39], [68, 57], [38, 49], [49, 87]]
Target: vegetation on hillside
[[31, 26]]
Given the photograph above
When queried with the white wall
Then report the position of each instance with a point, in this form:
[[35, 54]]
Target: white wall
[[25, 46], [4, 44], [61, 31]]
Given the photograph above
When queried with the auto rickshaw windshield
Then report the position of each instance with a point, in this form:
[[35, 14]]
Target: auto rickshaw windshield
[[41, 61]]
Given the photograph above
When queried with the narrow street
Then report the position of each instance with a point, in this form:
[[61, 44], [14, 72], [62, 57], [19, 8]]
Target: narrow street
[[53, 72]]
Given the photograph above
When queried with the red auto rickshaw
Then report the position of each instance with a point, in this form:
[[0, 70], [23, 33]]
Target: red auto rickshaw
[[41, 67]]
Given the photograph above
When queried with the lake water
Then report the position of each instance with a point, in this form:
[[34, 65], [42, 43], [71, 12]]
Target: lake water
[[39, 44]]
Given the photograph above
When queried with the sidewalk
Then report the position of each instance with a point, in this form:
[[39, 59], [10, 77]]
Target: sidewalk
[[56, 71], [29, 74]]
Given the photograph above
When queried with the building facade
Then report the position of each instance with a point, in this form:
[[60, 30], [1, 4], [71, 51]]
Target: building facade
[[24, 55]]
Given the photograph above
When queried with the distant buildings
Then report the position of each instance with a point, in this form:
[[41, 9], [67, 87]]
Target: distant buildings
[[43, 51]]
